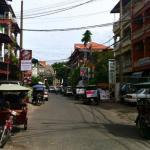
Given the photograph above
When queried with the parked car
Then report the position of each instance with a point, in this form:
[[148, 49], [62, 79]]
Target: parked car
[[142, 93], [52, 89], [68, 91], [126, 88]]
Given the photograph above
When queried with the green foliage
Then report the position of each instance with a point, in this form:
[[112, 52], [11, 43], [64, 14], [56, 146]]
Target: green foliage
[[101, 65], [86, 37], [35, 61], [50, 80], [35, 80], [74, 76], [62, 71]]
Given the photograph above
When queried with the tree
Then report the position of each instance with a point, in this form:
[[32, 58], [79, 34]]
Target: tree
[[86, 37], [101, 65], [62, 71], [74, 76]]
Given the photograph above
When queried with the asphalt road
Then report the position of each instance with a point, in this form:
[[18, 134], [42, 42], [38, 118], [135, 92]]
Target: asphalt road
[[65, 124]]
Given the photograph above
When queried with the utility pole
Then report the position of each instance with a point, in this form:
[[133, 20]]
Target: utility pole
[[21, 25], [121, 37], [21, 37]]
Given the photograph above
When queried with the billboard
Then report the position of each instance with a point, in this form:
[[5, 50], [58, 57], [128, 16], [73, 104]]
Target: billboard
[[26, 60], [112, 71]]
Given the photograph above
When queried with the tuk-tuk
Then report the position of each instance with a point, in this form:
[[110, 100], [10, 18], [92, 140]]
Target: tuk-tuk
[[13, 98], [38, 94], [143, 118], [91, 95]]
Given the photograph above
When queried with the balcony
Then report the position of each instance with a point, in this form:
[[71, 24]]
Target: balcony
[[138, 33], [126, 42], [126, 17], [116, 26], [116, 46], [137, 7], [147, 28], [127, 67]]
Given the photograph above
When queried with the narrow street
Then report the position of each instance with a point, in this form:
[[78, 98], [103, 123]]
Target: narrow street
[[65, 124]]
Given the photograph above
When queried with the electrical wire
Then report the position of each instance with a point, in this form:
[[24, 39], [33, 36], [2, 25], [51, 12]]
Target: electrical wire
[[57, 11], [70, 17], [49, 6], [83, 27]]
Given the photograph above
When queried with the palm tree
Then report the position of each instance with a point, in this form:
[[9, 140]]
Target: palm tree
[[86, 37]]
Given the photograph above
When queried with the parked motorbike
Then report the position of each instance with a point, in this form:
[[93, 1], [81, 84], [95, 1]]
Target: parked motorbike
[[91, 95], [143, 118]]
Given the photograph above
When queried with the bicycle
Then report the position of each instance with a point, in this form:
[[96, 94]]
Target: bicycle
[[6, 129]]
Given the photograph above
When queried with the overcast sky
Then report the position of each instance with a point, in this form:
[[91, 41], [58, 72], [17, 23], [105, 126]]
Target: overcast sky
[[59, 45]]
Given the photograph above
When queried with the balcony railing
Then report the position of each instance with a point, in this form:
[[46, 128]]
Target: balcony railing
[[126, 41], [138, 33], [116, 26], [137, 7], [117, 46]]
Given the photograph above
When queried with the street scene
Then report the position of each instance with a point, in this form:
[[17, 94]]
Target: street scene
[[75, 75], [64, 123]]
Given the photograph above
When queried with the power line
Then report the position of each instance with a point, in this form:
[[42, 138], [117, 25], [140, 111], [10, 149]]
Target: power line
[[71, 17], [38, 9], [69, 29], [57, 11], [81, 28]]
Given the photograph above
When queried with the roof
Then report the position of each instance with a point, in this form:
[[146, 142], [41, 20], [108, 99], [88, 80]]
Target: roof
[[13, 87], [42, 63], [116, 9], [92, 45]]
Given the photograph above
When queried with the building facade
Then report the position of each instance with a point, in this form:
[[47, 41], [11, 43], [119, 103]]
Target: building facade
[[9, 47], [82, 55], [131, 36]]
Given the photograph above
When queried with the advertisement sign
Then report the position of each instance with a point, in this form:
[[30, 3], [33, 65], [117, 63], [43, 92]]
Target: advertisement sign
[[26, 60], [112, 71], [83, 71]]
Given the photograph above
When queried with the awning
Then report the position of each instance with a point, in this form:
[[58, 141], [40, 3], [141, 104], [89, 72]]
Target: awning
[[4, 38], [137, 75], [116, 9]]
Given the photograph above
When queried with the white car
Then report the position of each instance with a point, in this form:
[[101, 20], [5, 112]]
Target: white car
[[142, 93]]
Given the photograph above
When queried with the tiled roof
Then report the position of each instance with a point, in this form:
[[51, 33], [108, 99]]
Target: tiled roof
[[92, 45], [42, 63]]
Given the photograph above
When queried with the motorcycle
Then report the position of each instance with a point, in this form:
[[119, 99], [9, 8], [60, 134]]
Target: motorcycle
[[91, 95]]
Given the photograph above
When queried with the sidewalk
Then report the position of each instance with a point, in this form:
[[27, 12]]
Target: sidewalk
[[124, 112]]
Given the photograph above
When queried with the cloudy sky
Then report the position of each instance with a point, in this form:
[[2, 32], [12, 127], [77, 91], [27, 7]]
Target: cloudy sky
[[43, 14]]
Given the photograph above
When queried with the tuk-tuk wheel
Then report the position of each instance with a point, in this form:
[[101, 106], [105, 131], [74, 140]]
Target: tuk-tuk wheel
[[25, 126], [142, 127]]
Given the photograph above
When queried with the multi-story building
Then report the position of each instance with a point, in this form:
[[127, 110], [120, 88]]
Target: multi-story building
[[141, 35], [131, 35], [82, 54], [9, 30]]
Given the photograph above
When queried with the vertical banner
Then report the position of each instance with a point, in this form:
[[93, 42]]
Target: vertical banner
[[26, 65], [26, 60], [112, 71]]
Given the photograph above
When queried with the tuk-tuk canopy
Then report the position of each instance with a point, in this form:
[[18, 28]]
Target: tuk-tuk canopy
[[38, 87], [12, 87]]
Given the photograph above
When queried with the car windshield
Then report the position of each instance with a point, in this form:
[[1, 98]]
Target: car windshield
[[140, 91]]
